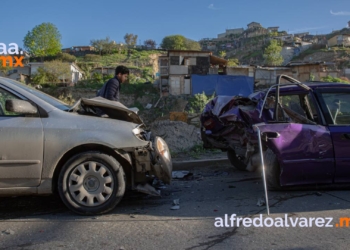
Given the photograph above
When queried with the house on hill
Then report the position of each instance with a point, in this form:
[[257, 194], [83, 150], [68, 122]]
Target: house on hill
[[176, 68], [21, 74], [253, 25], [78, 49], [273, 29], [76, 72], [339, 40]]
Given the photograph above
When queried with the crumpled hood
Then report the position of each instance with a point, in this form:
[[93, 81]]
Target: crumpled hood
[[113, 109]]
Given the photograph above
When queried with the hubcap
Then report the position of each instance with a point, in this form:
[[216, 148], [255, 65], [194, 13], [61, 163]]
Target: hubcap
[[90, 184]]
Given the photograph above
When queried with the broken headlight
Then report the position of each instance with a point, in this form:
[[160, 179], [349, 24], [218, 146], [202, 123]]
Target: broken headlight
[[162, 148]]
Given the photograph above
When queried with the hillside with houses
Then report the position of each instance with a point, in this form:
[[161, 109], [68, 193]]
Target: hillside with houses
[[305, 57], [247, 45]]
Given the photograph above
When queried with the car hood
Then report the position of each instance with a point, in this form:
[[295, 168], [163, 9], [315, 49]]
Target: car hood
[[113, 109]]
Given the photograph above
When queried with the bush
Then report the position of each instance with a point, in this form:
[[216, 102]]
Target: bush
[[65, 57], [107, 77], [198, 102], [138, 89], [335, 79], [97, 77], [92, 58]]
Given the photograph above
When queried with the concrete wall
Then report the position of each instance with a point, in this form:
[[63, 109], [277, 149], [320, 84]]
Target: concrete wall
[[332, 41], [347, 73], [178, 70], [239, 71], [267, 77]]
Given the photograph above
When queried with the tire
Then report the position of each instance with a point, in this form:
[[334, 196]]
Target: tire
[[272, 170], [91, 183], [235, 161]]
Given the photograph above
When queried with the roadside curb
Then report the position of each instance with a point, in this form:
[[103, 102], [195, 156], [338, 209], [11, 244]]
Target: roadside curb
[[191, 164]]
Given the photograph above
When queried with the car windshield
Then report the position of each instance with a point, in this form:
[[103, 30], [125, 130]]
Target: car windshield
[[49, 99]]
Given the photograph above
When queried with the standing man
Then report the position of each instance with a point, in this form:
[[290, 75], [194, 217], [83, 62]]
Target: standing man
[[110, 90]]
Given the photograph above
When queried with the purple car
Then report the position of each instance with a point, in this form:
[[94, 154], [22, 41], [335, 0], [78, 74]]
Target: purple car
[[305, 134]]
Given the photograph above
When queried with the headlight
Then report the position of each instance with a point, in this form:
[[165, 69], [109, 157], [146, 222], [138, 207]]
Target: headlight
[[136, 131], [162, 148], [164, 167]]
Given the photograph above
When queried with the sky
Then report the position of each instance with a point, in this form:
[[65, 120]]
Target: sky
[[81, 21]]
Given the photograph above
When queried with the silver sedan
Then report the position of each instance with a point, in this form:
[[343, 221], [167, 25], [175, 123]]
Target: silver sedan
[[90, 152]]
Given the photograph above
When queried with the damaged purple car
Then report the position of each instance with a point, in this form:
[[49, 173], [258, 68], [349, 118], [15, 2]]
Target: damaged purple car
[[305, 133]]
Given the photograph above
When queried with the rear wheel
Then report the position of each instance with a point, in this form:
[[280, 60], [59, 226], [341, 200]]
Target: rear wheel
[[91, 183], [235, 161]]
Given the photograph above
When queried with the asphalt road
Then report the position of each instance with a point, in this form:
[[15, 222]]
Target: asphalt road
[[143, 222]]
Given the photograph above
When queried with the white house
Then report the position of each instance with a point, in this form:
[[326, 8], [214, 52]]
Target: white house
[[76, 72]]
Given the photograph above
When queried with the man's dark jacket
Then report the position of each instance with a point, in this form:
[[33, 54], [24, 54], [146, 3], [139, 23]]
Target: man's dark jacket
[[110, 90]]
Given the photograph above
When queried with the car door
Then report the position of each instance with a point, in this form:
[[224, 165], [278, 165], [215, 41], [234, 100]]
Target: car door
[[335, 104], [304, 147], [21, 145]]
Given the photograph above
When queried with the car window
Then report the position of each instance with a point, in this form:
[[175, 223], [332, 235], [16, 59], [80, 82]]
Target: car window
[[5, 95], [338, 105], [51, 100], [293, 102], [296, 112]]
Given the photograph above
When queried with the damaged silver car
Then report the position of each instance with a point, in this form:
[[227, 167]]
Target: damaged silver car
[[48, 146]]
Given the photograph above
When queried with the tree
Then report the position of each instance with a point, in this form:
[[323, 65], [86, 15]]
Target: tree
[[104, 45], [4, 69], [192, 45], [179, 42], [97, 44], [43, 40], [58, 69], [272, 54], [41, 76], [86, 68], [150, 43], [232, 62], [222, 54], [130, 39], [108, 45]]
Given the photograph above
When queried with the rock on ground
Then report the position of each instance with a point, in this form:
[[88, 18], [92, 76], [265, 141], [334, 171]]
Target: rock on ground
[[178, 135]]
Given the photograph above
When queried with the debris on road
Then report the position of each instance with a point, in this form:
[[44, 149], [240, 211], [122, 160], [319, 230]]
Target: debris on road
[[176, 204], [158, 184], [8, 232], [180, 174], [261, 202], [147, 189]]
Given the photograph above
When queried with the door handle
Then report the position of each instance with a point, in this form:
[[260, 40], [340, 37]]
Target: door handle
[[347, 136]]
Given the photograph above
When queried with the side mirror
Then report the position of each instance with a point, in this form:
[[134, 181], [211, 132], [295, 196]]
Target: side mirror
[[20, 106]]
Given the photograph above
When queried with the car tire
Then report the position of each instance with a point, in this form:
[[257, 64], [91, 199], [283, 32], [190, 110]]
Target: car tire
[[91, 183], [235, 161], [272, 170]]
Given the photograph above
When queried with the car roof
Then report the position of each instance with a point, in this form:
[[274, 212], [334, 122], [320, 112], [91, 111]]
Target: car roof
[[312, 85]]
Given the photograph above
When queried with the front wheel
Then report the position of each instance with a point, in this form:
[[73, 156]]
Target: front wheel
[[236, 161], [91, 183]]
